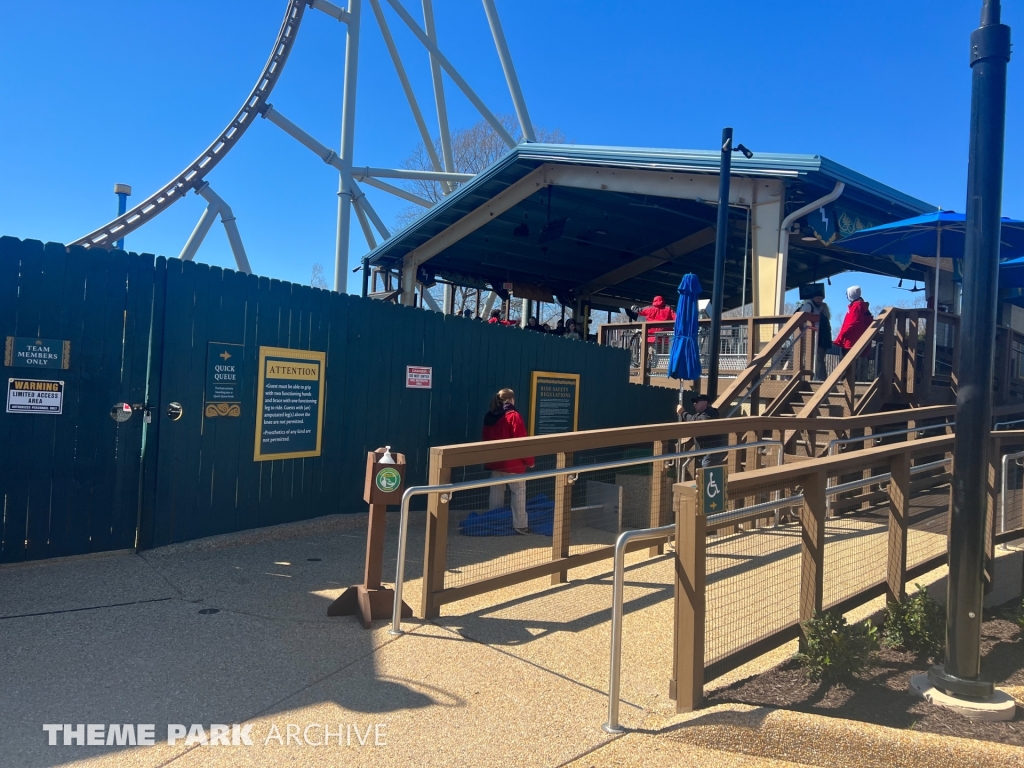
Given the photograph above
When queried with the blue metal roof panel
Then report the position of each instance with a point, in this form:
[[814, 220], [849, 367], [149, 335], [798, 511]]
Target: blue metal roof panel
[[526, 157]]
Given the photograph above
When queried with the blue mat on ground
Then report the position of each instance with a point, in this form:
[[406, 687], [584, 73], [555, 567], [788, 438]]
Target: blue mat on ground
[[540, 511]]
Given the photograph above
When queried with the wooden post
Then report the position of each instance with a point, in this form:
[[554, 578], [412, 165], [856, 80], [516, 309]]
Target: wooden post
[[928, 363], [645, 374], [899, 512], [888, 357], [687, 683], [911, 348], [563, 517], [661, 496], [751, 341], [435, 554], [370, 600], [812, 528]]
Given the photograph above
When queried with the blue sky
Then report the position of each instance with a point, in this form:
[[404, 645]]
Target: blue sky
[[112, 91]]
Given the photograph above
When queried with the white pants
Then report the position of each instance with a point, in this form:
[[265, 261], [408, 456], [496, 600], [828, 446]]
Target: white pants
[[519, 519]]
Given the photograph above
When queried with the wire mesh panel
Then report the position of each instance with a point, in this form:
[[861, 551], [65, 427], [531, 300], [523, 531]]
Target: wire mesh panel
[[483, 540], [752, 584], [928, 524], [856, 549], [1010, 513]]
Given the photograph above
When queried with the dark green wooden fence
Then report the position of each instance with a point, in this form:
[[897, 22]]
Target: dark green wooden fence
[[139, 328]]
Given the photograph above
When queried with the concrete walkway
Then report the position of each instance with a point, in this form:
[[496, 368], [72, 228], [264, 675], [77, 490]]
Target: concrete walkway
[[234, 630]]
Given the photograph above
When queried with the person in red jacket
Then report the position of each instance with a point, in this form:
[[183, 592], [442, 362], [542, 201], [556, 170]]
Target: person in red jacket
[[858, 318], [502, 422], [658, 310]]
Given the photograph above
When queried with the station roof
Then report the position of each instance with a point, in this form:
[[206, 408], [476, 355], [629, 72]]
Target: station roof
[[570, 240]]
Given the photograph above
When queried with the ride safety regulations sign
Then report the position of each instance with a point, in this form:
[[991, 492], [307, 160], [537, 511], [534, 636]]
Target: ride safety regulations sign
[[289, 408], [34, 396]]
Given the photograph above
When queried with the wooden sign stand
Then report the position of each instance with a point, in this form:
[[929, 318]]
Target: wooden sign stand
[[370, 601]]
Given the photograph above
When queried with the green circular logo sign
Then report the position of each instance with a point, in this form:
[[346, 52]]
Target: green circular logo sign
[[388, 479]]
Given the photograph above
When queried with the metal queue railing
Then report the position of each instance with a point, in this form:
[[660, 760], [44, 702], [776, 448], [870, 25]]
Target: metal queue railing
[[446, 490]]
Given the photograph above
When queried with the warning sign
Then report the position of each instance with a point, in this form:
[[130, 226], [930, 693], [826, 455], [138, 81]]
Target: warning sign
[[418, 377], [33, 396]]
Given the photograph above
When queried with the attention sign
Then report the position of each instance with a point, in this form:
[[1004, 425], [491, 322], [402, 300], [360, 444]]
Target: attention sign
[[33, 396], [418, 377], [30, 352], [289, 408], [554, 402]]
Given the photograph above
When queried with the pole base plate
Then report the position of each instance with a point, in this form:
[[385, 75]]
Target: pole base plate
[[999, 705], [368, 604]]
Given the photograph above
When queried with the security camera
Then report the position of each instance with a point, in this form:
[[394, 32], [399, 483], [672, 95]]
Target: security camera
[[746, 152]]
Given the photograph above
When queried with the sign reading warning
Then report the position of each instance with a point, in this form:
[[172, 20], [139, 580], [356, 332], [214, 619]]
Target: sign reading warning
[[554, 403], [33, 396], [289, 406]]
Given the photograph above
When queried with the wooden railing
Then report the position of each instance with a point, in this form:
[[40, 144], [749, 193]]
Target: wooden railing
[[566, 450], [649, 343]]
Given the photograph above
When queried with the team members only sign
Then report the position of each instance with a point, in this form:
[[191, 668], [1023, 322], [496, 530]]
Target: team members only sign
[[289, 403]]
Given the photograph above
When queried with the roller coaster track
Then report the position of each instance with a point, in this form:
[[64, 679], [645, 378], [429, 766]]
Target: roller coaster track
[[192, 176]]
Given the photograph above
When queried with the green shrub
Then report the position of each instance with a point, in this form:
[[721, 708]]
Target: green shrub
[[916, 624], [835, 650]]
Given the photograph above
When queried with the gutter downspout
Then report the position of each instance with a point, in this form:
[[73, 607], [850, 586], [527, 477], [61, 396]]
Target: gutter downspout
[[780, 277]]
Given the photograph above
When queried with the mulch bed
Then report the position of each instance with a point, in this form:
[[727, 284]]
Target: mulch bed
[[879, 694]]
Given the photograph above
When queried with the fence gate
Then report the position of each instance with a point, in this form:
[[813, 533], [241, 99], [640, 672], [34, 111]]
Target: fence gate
[[75, 329]]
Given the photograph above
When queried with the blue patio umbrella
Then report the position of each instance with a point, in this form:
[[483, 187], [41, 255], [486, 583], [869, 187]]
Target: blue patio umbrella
[[941, 233], [933, 235], [684, 359]]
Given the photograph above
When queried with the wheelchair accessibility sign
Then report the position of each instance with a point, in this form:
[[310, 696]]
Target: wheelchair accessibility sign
[[712, 481]]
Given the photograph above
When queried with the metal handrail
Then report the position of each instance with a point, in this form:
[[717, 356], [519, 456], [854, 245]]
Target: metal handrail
[[615, 663], [768, 368], [447, 489], [880, 435], [875, 436], [1007, 424], [1003, 490]]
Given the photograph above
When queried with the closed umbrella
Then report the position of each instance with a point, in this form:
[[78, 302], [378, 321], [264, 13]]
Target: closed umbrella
[[684, 360]]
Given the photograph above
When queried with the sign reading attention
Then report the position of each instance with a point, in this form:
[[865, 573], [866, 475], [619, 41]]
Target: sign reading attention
[[30, 352], [554, 402], [223, 379], [289, 403], [33, 396]]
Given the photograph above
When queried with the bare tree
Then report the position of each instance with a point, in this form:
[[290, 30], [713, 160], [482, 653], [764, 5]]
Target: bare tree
[[317, 280], [473, 149]]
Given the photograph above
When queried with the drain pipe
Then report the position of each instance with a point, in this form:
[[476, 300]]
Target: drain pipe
[[780, 277]]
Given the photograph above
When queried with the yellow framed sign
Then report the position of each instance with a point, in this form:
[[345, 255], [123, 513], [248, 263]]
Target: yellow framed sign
[[289, 403], [554, 402]]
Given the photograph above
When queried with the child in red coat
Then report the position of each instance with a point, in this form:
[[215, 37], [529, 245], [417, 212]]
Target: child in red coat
[[502, 422]]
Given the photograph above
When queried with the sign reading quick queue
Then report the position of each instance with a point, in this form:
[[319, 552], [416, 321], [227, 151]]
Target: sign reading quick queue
[[289, 407], [223, 379]]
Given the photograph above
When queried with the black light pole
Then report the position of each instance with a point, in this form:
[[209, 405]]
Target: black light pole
[[990, 53], [721, 240]]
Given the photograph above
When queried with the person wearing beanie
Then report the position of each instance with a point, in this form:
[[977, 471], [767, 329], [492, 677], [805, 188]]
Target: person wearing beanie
[[503, 422], [659, 311], [858, 318]]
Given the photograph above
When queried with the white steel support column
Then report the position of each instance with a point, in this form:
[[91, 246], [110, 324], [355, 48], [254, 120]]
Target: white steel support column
[[509, 69], [389, 42], [442, 109], [348, 126], [449, 299], [765, 218]]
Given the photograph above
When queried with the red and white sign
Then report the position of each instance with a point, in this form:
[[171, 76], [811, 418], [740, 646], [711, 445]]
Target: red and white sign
[[418, 377]]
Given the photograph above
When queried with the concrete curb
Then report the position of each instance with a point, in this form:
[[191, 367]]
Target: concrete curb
[[828, 741]]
